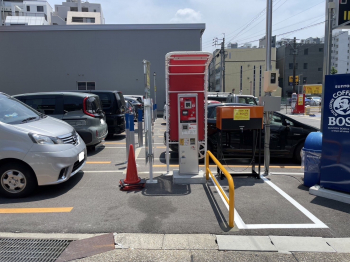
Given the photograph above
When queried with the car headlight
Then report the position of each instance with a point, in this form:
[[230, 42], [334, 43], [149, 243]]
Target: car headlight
[[45, 140]]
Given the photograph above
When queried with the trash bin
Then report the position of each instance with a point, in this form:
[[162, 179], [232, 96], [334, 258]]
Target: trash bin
[[312, 158]]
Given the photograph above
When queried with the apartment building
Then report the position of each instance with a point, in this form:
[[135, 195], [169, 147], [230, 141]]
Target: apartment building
[[25, 13], [340, 52], [76, 12]]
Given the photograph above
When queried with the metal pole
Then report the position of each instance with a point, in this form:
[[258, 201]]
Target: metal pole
[[268, 68], [224, 64], [294, 62], [327, 50], [132, 131], [222, 67], [140, 130], [127, 136], [3, 13], [155, 96]]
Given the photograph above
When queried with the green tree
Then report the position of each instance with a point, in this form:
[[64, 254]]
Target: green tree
[[334, 71]]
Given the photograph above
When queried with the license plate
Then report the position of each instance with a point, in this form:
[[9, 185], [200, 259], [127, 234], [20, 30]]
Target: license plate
[[81, 156]]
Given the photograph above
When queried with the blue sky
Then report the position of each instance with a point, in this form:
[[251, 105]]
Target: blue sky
[[221, 16]]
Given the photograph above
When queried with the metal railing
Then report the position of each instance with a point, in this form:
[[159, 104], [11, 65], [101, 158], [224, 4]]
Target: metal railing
[[231, 199]]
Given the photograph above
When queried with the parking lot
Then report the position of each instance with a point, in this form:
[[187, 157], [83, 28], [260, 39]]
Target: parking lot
[[91, 202]]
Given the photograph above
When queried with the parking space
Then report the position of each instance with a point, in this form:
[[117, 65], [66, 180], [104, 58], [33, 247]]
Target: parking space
[[276, 205]]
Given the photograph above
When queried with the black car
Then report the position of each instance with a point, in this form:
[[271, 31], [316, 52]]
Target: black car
[[136, 105], [287, 137], [113, 104]]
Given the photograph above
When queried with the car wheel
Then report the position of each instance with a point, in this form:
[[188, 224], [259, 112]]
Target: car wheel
[[298, 153], [16, 180], [201, 150]]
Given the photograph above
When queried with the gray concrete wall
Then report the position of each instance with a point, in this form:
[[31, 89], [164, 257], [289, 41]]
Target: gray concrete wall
[[44, 60]]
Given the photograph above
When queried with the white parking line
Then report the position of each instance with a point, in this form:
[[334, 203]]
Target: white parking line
[[241, 225]]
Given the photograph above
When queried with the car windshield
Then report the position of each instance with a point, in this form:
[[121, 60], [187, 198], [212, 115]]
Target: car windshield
[[14, 112], [316, 98]]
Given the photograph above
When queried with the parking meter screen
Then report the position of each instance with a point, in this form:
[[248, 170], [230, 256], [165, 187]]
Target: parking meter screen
[[335, 164]]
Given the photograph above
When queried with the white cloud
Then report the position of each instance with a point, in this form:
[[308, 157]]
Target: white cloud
[[186, 15]]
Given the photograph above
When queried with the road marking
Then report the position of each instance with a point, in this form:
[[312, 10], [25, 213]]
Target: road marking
[[35, 210], [109, 171], [232, 166], [103, 162], [241, 225]]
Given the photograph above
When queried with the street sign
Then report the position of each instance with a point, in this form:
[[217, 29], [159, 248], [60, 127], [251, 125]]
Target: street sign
[[342, 14]]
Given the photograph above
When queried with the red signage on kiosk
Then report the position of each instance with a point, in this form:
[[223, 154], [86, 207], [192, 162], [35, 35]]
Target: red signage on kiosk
[[188, 109]]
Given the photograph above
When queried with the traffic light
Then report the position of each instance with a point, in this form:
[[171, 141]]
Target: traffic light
[[296, 80]]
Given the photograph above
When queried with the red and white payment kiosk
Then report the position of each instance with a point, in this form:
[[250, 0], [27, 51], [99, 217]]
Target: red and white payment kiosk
[[186, 99]]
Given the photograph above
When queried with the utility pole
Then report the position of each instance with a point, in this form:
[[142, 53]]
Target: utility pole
[[294, 61], [327, 50], [223, 63], [268, 68]]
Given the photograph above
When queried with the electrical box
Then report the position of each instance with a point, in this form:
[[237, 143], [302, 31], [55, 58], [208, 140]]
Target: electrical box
[[270, 103], [271, 80], [239, 117]]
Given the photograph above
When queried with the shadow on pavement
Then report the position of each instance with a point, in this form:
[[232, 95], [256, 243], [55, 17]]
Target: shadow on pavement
[[331, 204], [166, 187], [115, 138], [47, 192], [216, 208]]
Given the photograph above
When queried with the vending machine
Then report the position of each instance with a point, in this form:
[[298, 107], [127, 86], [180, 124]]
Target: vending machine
[[188, 133]]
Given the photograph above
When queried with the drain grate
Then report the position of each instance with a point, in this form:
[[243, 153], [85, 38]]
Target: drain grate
[[30, 250]]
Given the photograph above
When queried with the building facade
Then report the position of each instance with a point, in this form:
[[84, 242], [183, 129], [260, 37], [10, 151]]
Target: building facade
[[76, 12], [340, 52], [309, 65], [108, 57], [244, 71], [25, 13]]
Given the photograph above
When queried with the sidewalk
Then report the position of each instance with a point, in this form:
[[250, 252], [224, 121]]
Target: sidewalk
[[196, 247]]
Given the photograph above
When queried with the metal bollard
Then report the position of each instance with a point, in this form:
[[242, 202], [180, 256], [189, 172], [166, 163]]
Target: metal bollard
[[132, 131], [127, 135], [140, 130]]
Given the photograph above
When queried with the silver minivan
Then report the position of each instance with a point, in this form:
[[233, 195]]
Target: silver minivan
[[35, 149]]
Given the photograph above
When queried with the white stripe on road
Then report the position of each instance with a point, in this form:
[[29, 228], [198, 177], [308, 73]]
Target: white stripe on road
[[241, 225]]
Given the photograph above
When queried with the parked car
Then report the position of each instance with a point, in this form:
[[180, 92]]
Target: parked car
[[139, 98], [287, 137], [241, 99], [35, 149], [129, 108], [136, 105], [315, 101], [114, 106], [80, 110]]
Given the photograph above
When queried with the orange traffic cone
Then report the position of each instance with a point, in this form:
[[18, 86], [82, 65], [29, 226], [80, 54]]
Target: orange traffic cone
[[132, 180]]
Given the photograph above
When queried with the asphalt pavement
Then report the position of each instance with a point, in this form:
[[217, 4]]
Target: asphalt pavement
[[91, 202]]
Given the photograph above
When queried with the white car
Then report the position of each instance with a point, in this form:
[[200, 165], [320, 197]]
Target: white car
[[315, 101]]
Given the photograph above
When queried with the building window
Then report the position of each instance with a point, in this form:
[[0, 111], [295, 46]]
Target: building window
[[305, 65], [306, 51], [40, 8], [83, 20], [28, 8], [95, 10], [86, 85], [320, 49], [304, 80], [320, 69], [290, 65], [74, 9], [77, 19], [85, 9]]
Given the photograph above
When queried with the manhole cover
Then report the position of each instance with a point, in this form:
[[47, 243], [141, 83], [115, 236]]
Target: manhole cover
[[27, 250]]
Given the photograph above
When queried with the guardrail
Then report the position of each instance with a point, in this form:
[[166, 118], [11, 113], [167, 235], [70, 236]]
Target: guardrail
[[231, 200]]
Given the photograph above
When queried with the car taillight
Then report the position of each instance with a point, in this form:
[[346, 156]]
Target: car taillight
[[85, 108]]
